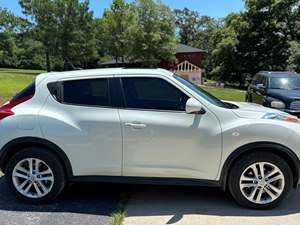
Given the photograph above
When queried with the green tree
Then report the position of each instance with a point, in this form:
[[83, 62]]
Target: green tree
[[294, 57], [118, 28], [66, 29], [225, 56], [75, 33], [188, 23], [256, 39], [10, 27], [42, 12], [155, 39]]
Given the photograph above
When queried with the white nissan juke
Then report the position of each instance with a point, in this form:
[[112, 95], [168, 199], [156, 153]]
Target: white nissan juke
[[144, 126]]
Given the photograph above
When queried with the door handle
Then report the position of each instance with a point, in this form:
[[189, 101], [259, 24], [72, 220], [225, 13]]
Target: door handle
[[136, 125]]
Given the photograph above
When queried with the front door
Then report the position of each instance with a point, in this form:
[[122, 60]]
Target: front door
[[160, 139]]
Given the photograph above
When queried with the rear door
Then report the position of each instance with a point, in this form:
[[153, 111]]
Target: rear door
[[81, 119]]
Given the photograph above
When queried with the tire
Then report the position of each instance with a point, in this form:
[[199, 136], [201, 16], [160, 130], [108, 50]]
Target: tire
[[243, 183], [49, 169]]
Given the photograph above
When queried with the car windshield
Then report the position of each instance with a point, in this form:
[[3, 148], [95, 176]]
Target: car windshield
[[204, 94], [285, 83]]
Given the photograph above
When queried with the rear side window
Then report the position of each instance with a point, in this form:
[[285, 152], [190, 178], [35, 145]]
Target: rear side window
[[29, 91], [89, 92], [153, 93]]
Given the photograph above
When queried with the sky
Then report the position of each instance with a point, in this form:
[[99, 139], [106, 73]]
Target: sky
[[213, 8]]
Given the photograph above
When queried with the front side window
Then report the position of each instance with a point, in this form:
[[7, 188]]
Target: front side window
[[90, 92], [204, 94], [153, 93]]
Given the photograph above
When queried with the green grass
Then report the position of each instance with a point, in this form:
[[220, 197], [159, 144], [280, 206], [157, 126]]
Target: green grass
[[14, 80], [119, 216], [229, 94]]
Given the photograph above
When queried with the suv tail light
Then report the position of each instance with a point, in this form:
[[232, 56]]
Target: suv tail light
[[6, 110]]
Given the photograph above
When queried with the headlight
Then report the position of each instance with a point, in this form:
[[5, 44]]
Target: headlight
[[282, 117], [277, 104]]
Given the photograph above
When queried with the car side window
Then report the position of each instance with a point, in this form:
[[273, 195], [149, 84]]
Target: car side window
[[89, 92], [255, 78], [264, 81], [153, 93], [258, 80]]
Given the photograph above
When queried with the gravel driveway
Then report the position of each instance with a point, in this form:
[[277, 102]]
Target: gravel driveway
[[155, 205], [80, 204]]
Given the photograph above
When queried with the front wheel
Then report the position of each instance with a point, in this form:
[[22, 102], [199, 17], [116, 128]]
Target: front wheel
[[35, 175], [260, 180]]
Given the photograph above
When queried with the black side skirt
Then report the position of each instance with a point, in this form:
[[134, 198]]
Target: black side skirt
[[146, 180]]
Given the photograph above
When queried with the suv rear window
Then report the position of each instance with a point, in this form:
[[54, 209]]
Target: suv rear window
[[26, 92], [89, 92]]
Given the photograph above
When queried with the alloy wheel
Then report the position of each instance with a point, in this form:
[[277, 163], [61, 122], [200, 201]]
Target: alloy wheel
[[33, 178], [262, 183]]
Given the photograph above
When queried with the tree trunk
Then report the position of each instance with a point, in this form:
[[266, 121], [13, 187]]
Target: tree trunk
[[48, 63]]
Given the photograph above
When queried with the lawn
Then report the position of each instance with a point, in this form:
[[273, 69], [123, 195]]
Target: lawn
[[14, 80], [229, 94]]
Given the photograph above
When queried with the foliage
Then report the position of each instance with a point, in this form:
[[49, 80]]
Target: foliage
[[66, 30], [188, 23], [155, 38], [118, 28], [63, 34], [75, 33], [256, 39], [294, 57]]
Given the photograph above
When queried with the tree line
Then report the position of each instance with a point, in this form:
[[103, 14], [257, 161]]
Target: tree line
[[64, 35]]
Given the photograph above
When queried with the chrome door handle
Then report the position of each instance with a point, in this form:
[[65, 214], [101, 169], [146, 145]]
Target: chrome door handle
[[136, 125]]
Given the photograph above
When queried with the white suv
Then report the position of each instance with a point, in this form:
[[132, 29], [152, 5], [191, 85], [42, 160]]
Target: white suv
[[144, 126]]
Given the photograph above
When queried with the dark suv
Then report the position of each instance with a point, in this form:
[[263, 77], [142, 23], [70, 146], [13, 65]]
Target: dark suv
[[279, 90]]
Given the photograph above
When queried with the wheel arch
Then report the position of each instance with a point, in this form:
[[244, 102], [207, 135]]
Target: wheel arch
[[284, 152], [12, 147]]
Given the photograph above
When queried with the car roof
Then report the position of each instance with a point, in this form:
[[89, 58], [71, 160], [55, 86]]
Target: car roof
[[104, 72], [278, 73]]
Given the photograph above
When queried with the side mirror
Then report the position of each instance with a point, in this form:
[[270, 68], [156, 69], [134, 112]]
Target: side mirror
[[194, 106], [260, 87]]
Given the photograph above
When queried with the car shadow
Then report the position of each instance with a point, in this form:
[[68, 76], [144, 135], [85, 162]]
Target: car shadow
[[85, 198], [181, 201], [145, 200]]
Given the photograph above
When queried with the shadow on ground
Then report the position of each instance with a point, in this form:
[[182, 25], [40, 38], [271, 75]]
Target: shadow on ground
[[180, 201], [94, 203], [78, 204]]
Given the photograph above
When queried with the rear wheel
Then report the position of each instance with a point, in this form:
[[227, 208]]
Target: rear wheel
[[35, 175], [260, 180]]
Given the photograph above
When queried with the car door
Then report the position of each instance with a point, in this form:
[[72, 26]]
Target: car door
[[160, 139], [81, 119]]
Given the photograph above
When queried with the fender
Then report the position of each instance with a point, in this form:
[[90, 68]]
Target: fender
[[283, 151], [20, 143]]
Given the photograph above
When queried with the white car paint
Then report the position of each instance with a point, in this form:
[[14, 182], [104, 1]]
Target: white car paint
[[102, 141]]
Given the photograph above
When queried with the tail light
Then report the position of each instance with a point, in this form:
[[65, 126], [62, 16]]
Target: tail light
[[6, 110]]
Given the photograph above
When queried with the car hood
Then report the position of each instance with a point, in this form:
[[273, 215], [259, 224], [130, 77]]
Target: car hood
[[284, 94], [252, 110]]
